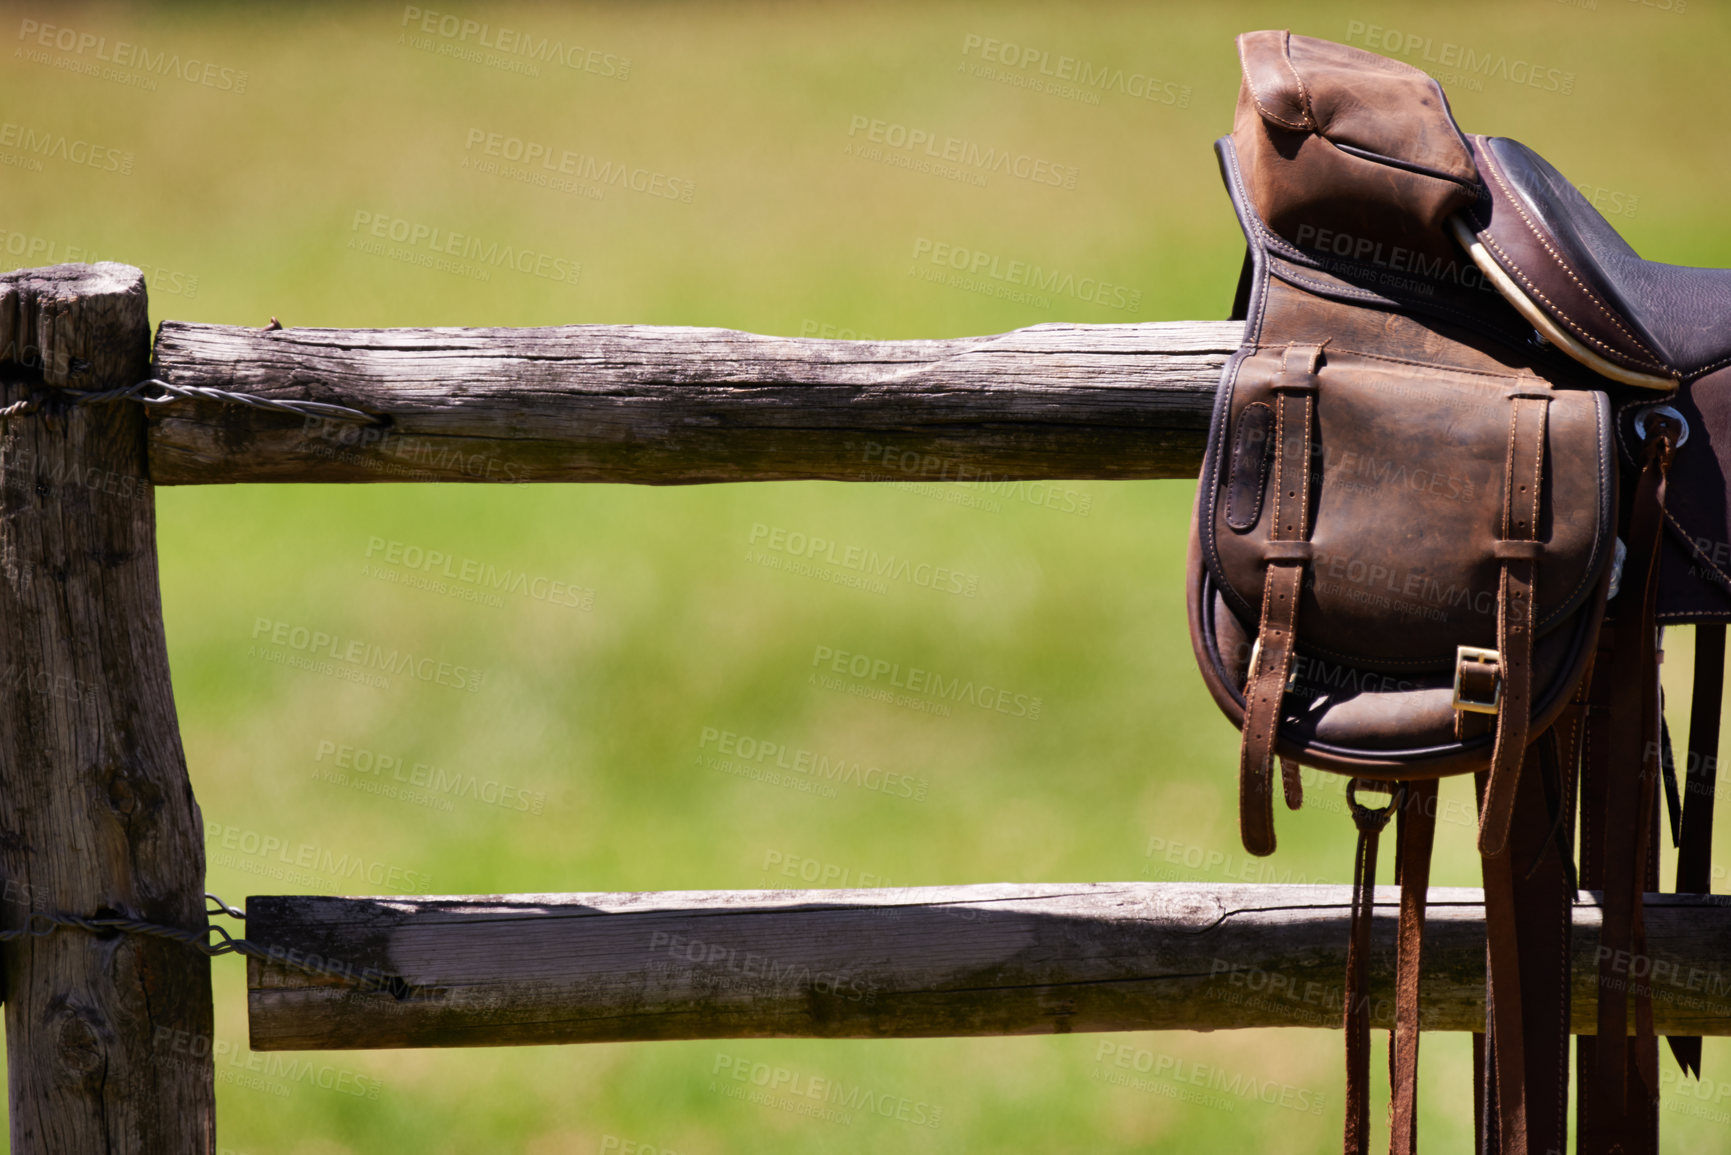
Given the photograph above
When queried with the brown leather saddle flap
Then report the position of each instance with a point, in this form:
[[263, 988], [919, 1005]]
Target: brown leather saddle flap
[[1408, 478]]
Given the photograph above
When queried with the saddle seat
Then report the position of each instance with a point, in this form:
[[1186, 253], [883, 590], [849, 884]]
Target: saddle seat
[[1670, 322]]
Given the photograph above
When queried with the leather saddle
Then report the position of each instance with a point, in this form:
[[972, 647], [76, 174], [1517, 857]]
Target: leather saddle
[[1472, 453]]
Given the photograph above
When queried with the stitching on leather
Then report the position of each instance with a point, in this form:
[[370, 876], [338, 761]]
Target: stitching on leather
[[1592, 297], [1304, 511], [1509, 477], [1256, 98], [1327, 290], [1700, 556], [1587, 832], [1303, 92], [1698, 370], [1540, 625], [1542, 415], [1278, 247], [1209, 547], [1438, 365], [1515, 201], [1565, 921], [1533, 290], [1688, 543], [1261, 474]]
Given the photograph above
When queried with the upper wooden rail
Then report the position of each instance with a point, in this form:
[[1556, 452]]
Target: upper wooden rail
[[673, 405]]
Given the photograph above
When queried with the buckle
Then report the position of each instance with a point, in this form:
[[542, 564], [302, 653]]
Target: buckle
[[1465, 654], [1256, 660]]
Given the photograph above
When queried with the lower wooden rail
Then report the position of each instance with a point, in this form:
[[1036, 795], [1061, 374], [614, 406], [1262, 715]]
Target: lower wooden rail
[[925, 961]]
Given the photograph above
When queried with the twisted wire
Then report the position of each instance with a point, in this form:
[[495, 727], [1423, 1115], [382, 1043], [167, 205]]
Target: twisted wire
[[171, 393]]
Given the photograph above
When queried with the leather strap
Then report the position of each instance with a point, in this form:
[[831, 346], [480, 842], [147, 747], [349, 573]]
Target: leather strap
[[1481, 1080], [1528, 908], [1695, 844], [1370, 823], [1623, 1081], [1505, 1060], [1271, 661], [1523, 473], [1415, 836]]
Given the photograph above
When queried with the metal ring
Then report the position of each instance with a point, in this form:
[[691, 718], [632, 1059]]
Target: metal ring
[[1396, 797], [1641, 423]]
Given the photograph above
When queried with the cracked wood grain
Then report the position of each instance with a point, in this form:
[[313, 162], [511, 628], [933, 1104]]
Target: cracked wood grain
[[897, 963], [107, 1036], [674, 405]]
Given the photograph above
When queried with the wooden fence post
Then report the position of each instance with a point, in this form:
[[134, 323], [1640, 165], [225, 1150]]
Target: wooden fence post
[[108, 1037]]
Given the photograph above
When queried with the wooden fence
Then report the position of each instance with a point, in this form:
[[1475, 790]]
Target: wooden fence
[[100, 821]]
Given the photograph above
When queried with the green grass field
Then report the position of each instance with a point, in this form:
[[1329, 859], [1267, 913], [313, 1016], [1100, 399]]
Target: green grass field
[[242, 205]]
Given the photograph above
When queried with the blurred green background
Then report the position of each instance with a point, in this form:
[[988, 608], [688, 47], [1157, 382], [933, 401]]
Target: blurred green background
[[238, 196]]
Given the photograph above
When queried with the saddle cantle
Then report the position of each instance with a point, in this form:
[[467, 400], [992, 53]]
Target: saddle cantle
[[1445, 502]]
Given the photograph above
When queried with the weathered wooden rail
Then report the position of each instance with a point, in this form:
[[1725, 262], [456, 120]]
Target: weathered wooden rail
[[635, 403], [952, 960]]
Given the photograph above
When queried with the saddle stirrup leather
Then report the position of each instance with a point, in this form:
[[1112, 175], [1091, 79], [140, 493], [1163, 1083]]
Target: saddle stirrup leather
[[1448, 501]]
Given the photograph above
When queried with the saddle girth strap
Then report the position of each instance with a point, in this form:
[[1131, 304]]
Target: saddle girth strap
[[1695, 843], [1370, 824], [1528, 913], [1623, 1090], [1518, 550], [1288, 548], [1415, 836]]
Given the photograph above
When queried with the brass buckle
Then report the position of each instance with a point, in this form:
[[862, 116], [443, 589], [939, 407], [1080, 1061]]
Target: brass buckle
[[1256, 659], [1465, 654]]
